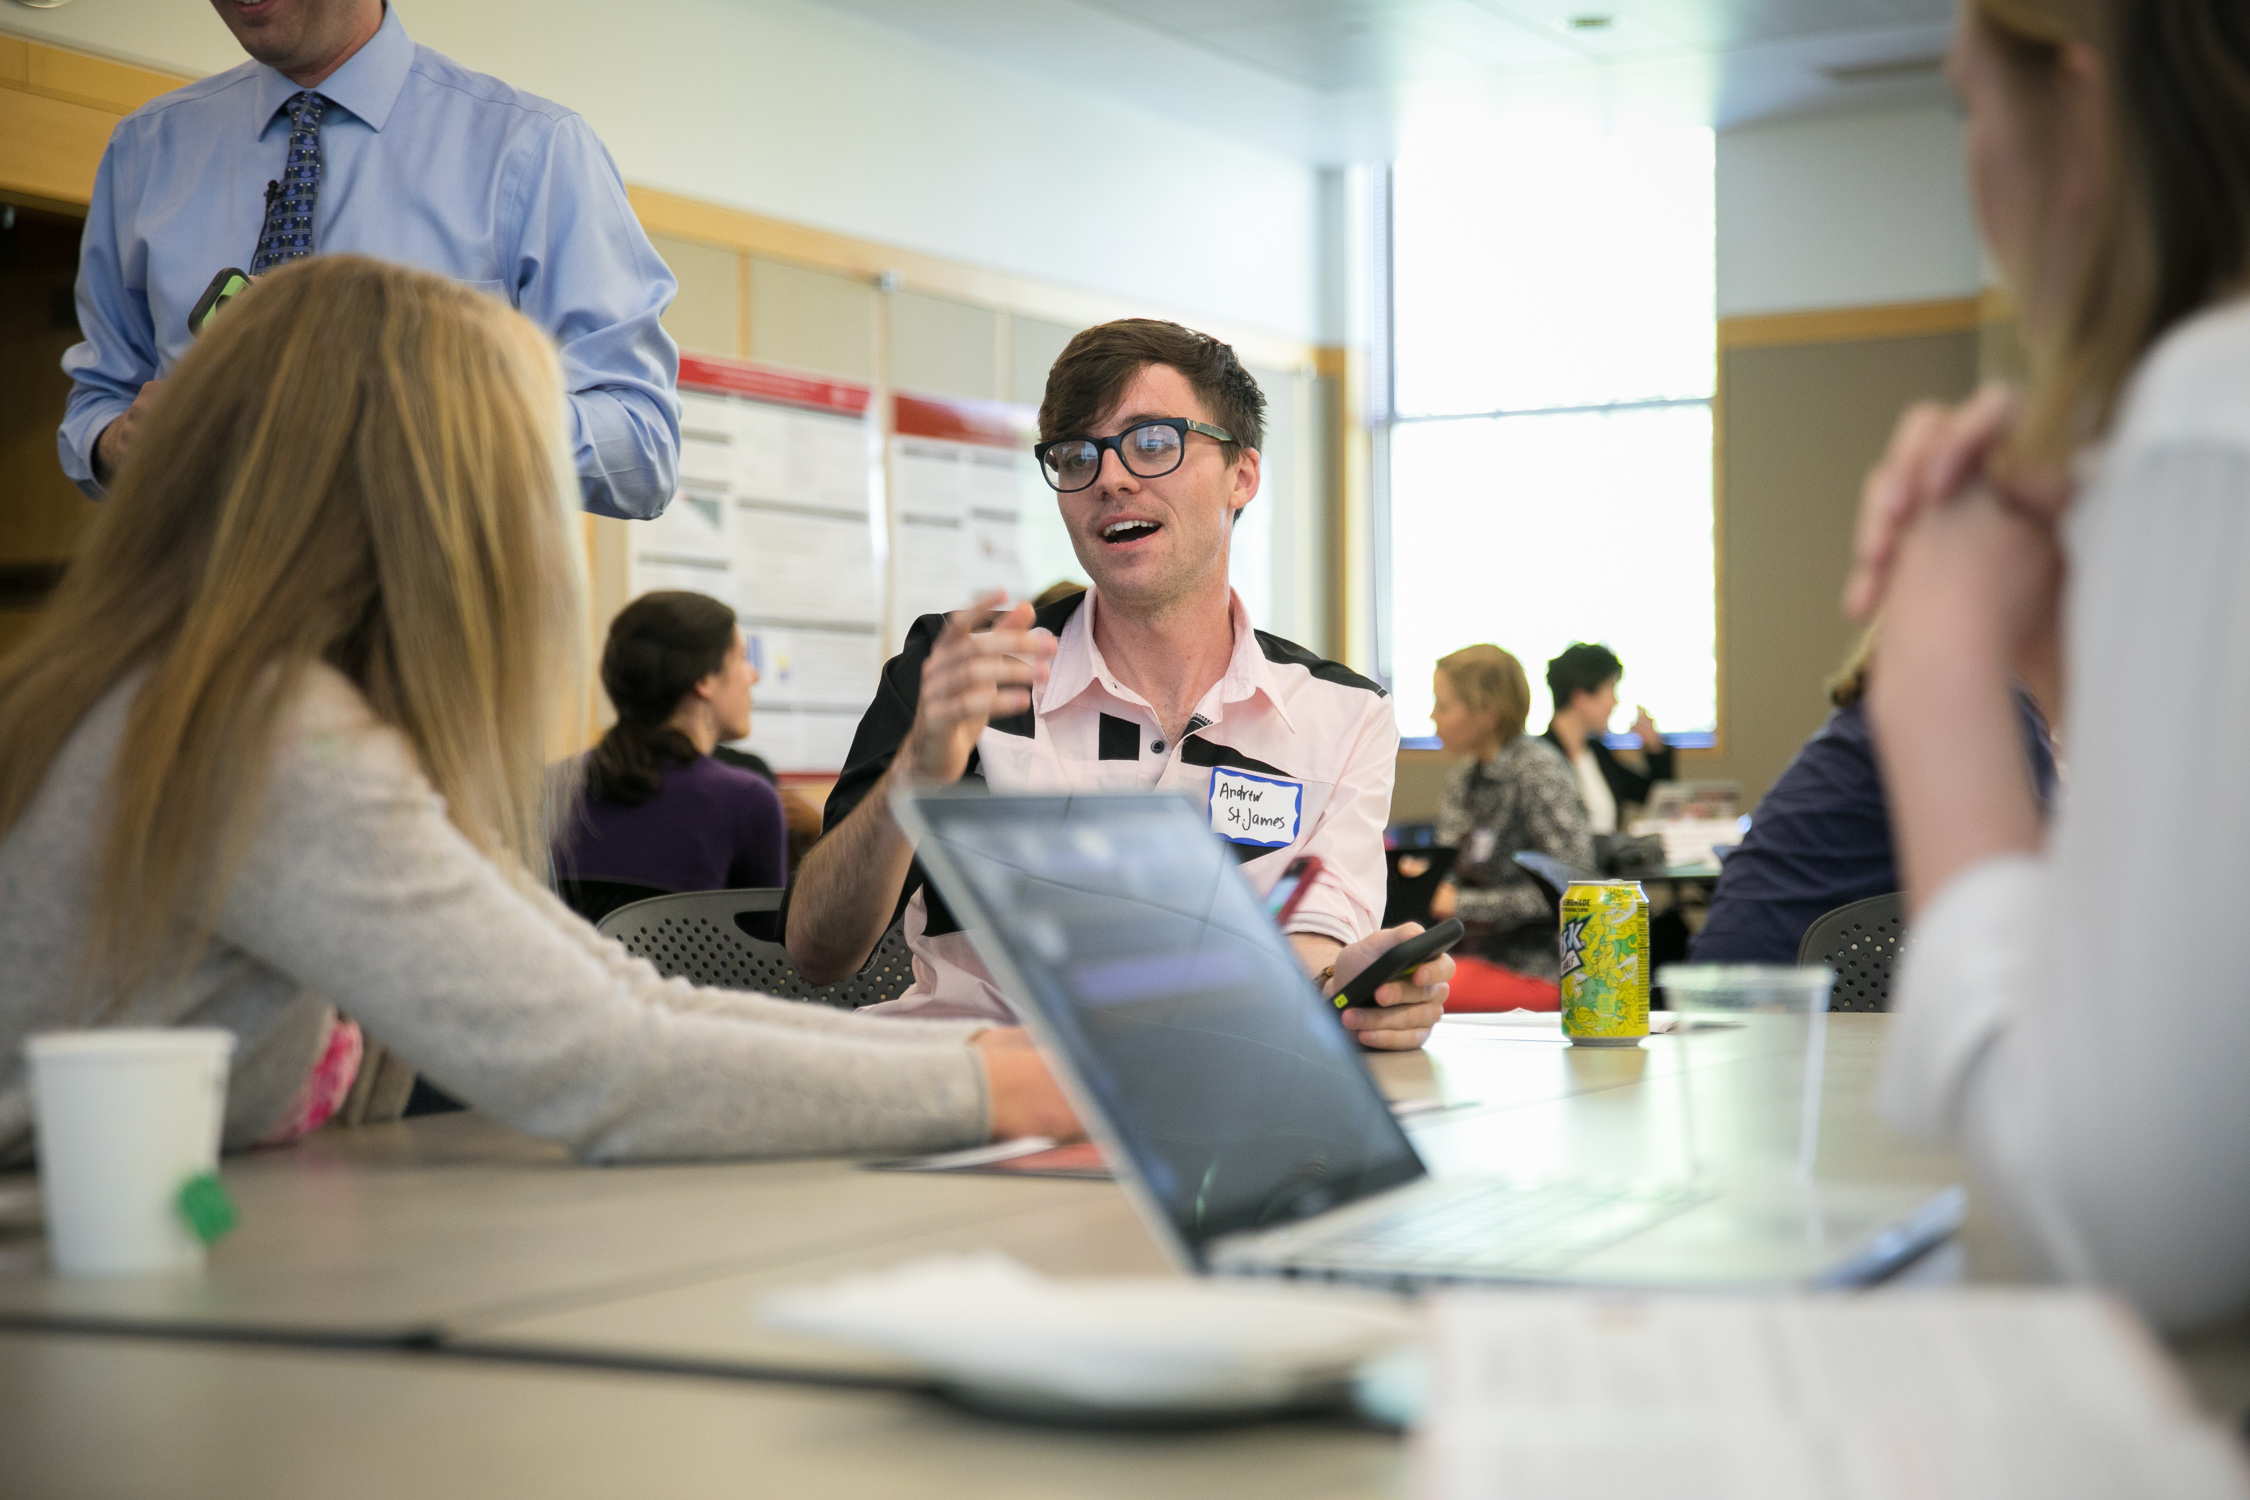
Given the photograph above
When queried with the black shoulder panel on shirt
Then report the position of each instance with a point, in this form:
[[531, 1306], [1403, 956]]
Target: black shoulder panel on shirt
[[1051, 619], [1196, 751], [1120, 739], [1290, 654], [882, 729], [1057, 614]]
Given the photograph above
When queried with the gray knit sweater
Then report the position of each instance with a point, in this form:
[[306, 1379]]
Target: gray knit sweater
[[1524, 797], [359, 894]]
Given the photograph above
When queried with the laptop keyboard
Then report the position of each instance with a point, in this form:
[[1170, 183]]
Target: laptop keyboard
[[1493, 1228]]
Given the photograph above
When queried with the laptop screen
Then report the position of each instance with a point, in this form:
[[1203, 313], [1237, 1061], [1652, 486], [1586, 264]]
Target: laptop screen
[[1241, 1100]]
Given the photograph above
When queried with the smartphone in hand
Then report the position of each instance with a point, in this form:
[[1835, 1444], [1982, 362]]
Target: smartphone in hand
[[1398, 960]]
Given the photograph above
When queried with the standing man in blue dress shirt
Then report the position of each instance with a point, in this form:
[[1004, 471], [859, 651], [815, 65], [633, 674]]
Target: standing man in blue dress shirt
[[378, 147]]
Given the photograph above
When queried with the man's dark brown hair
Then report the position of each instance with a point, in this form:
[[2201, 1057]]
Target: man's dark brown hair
[[1097, 366]]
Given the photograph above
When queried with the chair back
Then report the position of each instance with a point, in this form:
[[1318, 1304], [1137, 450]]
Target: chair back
[[596, 899], [1861, 943], [1550, 874], [1406, 898], [699, 936]]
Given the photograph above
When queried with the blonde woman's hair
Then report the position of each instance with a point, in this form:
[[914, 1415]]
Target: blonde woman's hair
[[2172, 224], [1849, 685], [1489, 680], [356, 464]]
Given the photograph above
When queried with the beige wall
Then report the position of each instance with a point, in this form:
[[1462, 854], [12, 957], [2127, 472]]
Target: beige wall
[[1799, 425]]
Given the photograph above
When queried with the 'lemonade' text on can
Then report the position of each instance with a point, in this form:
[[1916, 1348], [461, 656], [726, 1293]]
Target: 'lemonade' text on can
[[1605, 963]]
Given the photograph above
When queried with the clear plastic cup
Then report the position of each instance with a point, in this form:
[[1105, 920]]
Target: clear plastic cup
[[1755, 1039], [126, 1119]]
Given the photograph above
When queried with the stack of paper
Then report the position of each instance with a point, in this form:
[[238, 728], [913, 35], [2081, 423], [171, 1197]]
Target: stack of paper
[[1689, 841], [1980, 1395]]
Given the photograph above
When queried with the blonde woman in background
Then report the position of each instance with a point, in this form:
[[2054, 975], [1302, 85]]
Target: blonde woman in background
[[276, 747], [1511, 792], [2073, 1008]]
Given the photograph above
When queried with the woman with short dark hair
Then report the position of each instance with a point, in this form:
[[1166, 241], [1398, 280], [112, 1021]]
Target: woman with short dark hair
[[1583, 683], [659, 810]]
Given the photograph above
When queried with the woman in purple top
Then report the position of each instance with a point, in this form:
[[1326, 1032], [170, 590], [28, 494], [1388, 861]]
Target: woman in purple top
[[658, 810]]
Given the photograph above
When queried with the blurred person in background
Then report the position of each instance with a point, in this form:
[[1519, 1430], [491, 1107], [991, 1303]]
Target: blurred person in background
[[1511, 792], [2073, 1013], [1583, 681], [1822, 835], [658, 809]]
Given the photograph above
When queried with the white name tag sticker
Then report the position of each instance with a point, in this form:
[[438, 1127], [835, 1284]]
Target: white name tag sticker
[[1260, 810]]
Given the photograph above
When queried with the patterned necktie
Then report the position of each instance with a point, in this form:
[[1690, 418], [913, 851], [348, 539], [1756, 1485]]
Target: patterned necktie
[[287, 234]]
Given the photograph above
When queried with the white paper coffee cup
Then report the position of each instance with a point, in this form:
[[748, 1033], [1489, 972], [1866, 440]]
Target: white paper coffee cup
[[125, 1120]]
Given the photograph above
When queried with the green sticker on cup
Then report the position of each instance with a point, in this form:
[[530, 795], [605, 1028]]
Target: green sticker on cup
[[207, 1208]]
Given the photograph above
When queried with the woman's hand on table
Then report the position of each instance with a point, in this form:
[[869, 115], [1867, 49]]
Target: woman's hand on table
[[1405, 1009], [1025, 1098]]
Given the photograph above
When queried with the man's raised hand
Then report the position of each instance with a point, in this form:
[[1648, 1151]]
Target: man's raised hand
[[973, 675]]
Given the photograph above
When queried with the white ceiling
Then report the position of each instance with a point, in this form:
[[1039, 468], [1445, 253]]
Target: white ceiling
[[1345, 80]]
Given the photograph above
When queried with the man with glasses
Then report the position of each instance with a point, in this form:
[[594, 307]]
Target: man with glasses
[[1151, 679]]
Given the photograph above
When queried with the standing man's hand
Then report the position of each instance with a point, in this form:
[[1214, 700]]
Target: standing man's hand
[[972, 676], [117, 438]]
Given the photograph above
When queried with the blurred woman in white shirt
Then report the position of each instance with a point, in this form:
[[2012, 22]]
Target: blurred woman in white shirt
[[2073, 1010]]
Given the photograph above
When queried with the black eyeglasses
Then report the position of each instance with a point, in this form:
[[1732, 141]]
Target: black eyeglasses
[[1148, 450]]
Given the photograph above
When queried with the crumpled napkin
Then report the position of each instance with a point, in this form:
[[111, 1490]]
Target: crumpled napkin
[[986, 1322]]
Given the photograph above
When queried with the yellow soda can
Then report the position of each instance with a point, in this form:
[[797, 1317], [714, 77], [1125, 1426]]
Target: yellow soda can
[[1605, 963]]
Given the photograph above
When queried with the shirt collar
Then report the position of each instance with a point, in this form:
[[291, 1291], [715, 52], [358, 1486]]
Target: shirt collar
[[368, 84], [1078, 663]]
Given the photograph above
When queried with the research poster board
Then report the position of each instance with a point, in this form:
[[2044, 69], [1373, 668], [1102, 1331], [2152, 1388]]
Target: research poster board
[[775, 516], [959, 476]]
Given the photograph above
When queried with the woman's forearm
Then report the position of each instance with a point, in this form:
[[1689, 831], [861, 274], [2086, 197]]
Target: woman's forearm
[[1952, 754]]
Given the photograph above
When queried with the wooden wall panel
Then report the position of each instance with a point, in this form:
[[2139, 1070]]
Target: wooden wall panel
[[707, 314], [940, 347], [1801, 424], [812, 320]]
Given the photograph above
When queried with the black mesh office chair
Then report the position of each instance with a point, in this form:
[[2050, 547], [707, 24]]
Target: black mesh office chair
[[596, 899], [1861, 943], [1550, 874], [1406, 898], [700, 936]]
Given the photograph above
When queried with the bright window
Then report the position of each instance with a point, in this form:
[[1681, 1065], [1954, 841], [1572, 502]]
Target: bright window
[[1553, 359]]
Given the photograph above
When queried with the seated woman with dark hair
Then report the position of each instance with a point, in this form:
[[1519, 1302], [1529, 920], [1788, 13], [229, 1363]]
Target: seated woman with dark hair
[[1583, 682], [659, 810], [1512, 793]]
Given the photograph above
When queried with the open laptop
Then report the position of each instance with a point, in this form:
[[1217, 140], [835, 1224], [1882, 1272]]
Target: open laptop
[[1240, 1117]]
